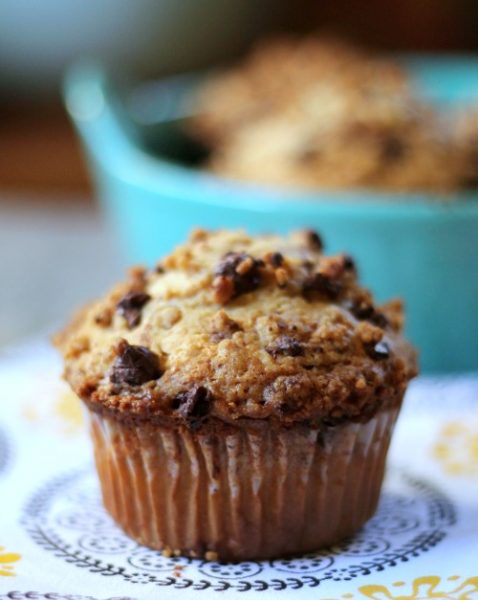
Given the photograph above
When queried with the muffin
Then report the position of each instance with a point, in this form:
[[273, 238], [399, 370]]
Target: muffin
[[296, 110], [279, 72], [241, 396]]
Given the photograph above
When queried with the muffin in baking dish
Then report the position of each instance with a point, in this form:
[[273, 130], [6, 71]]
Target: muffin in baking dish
[[241, 395], [317, 113]]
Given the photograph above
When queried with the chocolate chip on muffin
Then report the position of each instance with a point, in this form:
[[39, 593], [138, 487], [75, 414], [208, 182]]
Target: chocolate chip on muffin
[[378, 318], [278, 263], [134, 365], [236, 274], [323, 284], [349, 263], [276, 259], [130, 307], [193, 404], [314, 240], [328, 280], [365, 311], [393, 148], [379, 351]]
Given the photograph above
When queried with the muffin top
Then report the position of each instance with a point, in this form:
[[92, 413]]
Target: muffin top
[[302, 74], [317, 113], [233, 327]]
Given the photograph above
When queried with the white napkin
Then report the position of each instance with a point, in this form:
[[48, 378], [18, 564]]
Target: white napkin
[[58, 542]]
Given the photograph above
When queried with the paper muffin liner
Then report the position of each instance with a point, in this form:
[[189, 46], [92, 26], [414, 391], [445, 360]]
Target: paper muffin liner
[[241, 491]]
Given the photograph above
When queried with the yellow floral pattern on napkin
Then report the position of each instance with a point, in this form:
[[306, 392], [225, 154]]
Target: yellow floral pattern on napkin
[[64, 413], [421, 588], [6, 560], [457, 448], [68, 409]]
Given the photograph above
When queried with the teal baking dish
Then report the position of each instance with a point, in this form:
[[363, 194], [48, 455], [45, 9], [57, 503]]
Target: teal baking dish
[[421, 247]]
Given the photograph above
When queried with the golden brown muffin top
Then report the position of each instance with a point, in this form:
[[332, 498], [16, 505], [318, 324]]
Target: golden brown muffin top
[[317, 113], [230, 326]]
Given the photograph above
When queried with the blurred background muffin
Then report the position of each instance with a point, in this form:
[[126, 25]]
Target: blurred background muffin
[[37, 43], [51, 230], [316, 112]]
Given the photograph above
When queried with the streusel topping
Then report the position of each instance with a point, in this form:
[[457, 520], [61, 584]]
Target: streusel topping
[[231, 326]]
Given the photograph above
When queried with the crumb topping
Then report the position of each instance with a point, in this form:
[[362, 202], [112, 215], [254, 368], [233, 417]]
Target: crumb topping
[[233, 327], [285, 345], [236, 274]]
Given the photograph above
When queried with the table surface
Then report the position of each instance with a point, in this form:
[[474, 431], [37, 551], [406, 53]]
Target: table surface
[[56, 254]]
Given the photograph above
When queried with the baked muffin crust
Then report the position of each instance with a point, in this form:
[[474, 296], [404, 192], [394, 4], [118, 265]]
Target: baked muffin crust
[[232, 327]]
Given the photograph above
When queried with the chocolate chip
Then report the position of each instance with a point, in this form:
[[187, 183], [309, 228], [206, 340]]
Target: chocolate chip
[[193, 404], [130, 307], [285, 408], [392, 148], [308, 265], [372, 315], [361, 310], [237, 273], [378, 351], [379, 319], [285, 345], [469, 179], [277, 260], [135, 365], [366, 312], [322, 284], [469, 182], [314, 240], [349, 263]]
